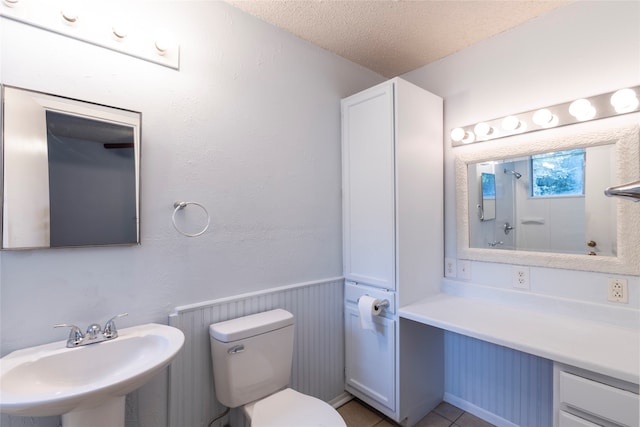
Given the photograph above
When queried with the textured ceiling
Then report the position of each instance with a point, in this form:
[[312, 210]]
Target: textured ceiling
[[394, 37]]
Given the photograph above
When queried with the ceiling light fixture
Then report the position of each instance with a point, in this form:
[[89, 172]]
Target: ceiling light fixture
[[105, 27], [596, 107]]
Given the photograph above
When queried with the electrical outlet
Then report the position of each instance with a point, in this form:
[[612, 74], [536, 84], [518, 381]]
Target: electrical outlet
[[450, 267], [521, 277], [618, 290], [464, 269]]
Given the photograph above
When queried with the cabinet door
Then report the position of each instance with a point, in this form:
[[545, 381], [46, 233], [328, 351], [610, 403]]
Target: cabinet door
[[368, 187], [370, 358]]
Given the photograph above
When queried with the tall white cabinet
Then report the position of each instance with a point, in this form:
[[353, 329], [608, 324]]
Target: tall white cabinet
[[393, 244]]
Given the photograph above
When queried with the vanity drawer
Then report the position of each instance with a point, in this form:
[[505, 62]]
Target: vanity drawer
[[601, 400], [568, 420]]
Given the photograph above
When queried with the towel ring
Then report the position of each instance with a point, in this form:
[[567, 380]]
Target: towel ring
[[181, 205]]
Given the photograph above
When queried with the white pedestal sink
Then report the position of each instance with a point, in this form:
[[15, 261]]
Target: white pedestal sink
[[86, 385]]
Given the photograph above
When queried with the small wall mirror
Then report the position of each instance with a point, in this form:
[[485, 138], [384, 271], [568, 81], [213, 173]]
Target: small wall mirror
[[487, 206], [547, 200], [70, 172]]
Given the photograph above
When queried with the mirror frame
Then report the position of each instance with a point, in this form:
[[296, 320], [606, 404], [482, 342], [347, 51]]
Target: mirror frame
[[622, 131]]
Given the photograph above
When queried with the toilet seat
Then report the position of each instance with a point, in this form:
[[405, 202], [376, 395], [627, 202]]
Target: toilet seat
[[289, 408]]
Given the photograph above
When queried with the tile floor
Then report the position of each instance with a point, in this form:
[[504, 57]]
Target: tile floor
[[358, 414]]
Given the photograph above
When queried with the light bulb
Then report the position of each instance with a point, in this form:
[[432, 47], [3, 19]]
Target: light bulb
[[545, 118], [457, 134], [70, 12], [120, 30], [469, 137], [483, 129], [161, 46], [461, 135], [624, 101], [511, 123], [69, 15], [163, 43], [582, 110]]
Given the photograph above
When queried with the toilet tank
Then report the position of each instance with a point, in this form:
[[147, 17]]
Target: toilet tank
[[251, 356]]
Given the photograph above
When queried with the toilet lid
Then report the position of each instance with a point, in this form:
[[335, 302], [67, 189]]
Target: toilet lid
[[288, 408]]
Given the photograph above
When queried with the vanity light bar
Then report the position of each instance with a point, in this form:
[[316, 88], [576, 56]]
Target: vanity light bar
[[76, 20], [601, 106]]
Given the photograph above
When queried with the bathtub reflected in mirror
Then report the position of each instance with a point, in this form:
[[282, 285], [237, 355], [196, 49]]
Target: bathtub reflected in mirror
[[71, 172]]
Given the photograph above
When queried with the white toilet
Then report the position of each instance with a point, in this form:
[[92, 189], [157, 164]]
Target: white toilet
[[252, 358]]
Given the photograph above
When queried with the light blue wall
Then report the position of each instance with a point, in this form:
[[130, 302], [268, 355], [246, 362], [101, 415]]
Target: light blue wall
[[249, 127], [581, 49], [514, 386]]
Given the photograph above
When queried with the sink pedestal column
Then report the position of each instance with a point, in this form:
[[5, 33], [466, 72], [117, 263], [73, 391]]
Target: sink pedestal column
[[109, 414]]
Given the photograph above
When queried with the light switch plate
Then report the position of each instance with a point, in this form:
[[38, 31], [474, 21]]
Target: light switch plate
[[464, 269], [450, 268]]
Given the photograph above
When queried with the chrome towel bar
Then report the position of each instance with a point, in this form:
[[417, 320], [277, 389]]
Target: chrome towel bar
[[628, 191]]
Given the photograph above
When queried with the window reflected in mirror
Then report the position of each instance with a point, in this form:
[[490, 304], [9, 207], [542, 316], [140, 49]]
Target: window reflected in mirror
[[558, 174]]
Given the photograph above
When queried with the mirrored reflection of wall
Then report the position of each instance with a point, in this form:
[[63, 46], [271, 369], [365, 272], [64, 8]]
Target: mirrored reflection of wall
[[92, 198], [71, 172]]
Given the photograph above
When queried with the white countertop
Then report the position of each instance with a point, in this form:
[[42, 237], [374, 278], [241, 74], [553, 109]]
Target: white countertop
[[595, 346]]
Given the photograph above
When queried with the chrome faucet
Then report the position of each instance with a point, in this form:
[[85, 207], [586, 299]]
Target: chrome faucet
[[94, 333]]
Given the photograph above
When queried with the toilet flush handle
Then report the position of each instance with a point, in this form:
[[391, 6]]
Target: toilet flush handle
[[236, 349]]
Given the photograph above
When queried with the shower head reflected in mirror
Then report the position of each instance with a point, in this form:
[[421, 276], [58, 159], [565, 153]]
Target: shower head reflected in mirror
[[514, 173]]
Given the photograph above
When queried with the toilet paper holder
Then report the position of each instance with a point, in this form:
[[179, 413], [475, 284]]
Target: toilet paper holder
[[382, 304]]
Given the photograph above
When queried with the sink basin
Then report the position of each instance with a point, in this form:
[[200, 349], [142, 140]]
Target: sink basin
[[54, 380]]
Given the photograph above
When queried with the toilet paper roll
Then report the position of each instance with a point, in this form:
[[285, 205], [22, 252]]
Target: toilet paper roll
[[368, 307]]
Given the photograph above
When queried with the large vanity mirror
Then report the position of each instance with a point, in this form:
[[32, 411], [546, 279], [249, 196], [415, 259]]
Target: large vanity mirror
[[539, 201], [70, 172]]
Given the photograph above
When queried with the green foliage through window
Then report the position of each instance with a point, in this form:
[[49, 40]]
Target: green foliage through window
[[558, 174]]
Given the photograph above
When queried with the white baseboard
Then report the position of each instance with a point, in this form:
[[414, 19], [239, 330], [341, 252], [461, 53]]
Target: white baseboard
[[340, 400], [477, 411]]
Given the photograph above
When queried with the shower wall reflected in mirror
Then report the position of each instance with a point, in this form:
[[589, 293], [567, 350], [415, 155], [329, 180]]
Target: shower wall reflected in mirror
[[548, 202]]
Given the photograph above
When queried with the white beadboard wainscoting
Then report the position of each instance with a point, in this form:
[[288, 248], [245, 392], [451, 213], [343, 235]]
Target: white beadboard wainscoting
[[504, 386], [318, 356]]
